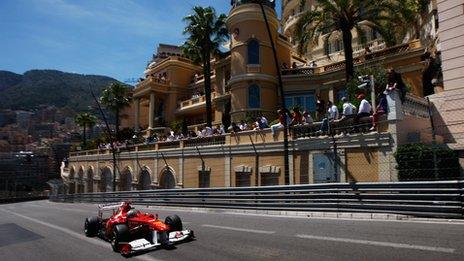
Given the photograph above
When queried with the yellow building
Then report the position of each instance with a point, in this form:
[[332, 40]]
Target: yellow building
[[244, 84]]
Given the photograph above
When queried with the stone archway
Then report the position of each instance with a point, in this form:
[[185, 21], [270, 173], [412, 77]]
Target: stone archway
[[80, 181], [106, 180], [167, 179], [144, 179], [125, 180], [72, 183], [89, 181]]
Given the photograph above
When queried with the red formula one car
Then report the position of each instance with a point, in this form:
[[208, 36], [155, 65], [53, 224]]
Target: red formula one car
[[131, 231]]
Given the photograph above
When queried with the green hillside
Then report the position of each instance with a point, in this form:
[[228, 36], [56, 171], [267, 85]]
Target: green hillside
[[50, 87]]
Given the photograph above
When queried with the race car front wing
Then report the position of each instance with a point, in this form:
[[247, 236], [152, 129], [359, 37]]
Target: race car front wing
[[159, 239]]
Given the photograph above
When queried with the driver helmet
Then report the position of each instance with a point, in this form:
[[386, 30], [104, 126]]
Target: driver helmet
[[132, 213]]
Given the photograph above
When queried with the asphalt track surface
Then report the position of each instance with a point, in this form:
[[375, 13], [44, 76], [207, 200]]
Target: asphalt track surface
[[43, 230]]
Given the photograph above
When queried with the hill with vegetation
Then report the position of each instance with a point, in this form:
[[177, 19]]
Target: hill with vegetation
[[36, 88]]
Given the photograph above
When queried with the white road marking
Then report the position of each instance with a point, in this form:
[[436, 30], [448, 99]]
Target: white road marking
[[240, 229], [379, 243], [76, 235]]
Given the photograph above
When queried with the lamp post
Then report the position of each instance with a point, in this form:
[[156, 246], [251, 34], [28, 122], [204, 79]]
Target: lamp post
[[281, 90]]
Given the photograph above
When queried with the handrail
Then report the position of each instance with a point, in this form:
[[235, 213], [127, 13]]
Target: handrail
[[418, 198]]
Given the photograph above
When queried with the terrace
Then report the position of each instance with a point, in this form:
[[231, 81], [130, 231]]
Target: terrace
[[411, 116]]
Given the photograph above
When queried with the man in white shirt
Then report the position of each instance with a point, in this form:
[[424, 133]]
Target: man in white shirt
[[333, 115], [348, 108], [364, 110], [333, 111]]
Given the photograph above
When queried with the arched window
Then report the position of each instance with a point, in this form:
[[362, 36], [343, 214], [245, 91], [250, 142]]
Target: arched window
[[253, 52], [254, 97]]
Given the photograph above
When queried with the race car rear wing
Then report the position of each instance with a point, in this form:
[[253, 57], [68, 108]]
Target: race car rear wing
[[109, 206]]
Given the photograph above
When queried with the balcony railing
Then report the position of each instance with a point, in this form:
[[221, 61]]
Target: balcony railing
[[205, 141], [416, 106], [299, 71], [360, 59], [402, 48], [195, 101], [152, 80]]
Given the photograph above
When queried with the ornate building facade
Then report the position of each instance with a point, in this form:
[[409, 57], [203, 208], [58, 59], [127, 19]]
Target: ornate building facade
[[244, 85]]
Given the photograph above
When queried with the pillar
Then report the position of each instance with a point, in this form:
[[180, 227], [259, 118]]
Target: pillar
[[137, 115], [331, 94], [151, 113]]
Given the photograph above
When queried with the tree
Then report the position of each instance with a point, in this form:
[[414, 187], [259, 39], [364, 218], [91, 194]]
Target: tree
[[85, 120], [115, 98], [340, 16], [406, 17], [206, 31]]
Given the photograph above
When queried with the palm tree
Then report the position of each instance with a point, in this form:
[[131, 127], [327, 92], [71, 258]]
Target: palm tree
[[206, 31], [85, 120], [116, 98], [340, 16], [406, 17]]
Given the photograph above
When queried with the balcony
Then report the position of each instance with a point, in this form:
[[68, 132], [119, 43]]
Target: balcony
[[291, 21], [151, 84], [360, 57], [194, 104], [152, 67]]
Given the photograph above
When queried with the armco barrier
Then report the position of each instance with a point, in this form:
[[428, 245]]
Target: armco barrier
[[425, 198]]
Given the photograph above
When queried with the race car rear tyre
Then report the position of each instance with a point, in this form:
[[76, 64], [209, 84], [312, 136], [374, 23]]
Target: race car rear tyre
[[120, 234], [91, 226], [174, 223]]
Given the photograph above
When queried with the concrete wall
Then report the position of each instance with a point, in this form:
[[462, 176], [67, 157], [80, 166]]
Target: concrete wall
[[449, 103]]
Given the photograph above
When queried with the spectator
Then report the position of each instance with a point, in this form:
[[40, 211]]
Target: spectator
[[320, 108], [282, 117], [395, 82], [296, 117], [307, 119], [234, 128], [208, 131], [264, 121], [364, 110], [294, 66], [332, 112], [349, 109], [284, 66], [243, 125], [258, 124], [382, 108]]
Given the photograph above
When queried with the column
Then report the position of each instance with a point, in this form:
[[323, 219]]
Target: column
[[227, 170], [331, 94], [137, 115], [151, 113], [180, 181], [291, 169]]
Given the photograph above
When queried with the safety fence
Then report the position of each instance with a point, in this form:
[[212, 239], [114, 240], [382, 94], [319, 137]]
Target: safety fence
[[426, 198]]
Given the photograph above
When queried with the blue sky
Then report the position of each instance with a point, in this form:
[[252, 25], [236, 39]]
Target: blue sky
[[107, 37]]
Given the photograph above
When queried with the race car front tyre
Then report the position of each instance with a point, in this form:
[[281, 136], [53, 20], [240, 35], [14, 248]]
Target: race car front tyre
[[120, 234], [91, 226], [174, 223]]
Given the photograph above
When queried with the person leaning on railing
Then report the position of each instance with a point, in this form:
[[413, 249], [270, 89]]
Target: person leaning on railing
[[307, 119], [332, 114], [349, 110], [382, 108]]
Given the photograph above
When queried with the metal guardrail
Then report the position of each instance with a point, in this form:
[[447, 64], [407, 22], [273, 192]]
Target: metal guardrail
[[432, 199]]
